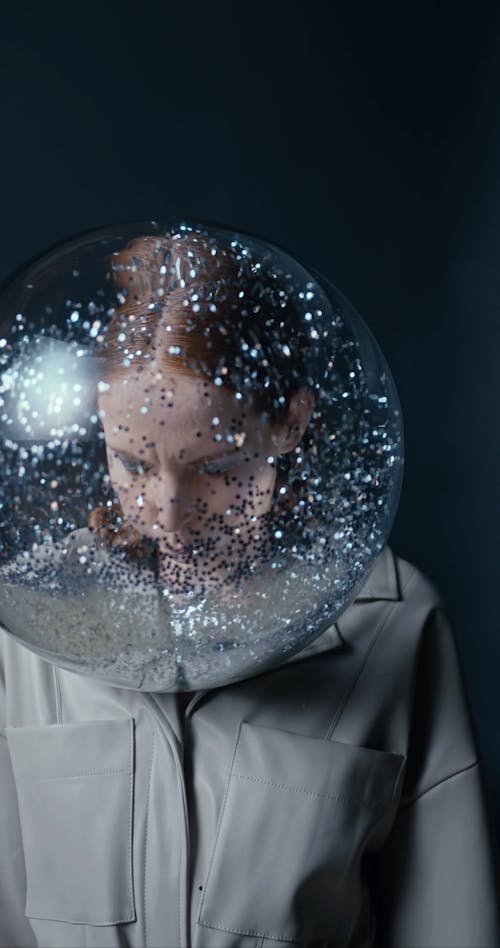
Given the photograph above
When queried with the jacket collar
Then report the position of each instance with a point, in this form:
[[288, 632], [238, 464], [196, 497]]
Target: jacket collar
[[381, 583], [382, 580]]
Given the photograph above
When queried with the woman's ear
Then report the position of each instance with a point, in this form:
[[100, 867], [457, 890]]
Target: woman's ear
[[291, 430]]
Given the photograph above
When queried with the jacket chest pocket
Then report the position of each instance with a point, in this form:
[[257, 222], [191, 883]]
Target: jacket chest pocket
[[75, 792], [297, 816]]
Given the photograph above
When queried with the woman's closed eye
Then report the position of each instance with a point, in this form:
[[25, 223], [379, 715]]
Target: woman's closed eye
[[215, 467], [137, 468]]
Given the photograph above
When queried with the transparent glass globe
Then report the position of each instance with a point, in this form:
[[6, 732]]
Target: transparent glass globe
[[201, 455]]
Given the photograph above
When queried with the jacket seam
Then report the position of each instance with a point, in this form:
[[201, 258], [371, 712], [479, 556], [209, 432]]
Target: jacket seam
[[57, 694], [338, 798], [130, 834], [146, 834], [370, 647], [438, 783], [252, 932], [71, 921], [98, 773]]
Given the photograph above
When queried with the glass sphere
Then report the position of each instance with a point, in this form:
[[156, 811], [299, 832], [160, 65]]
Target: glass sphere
[[201, 455]]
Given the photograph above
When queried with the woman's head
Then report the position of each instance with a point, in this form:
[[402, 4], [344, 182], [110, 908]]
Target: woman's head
[[205, 309], [203, 398]]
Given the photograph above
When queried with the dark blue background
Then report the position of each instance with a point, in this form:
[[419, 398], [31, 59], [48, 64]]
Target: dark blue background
[[363, 137]]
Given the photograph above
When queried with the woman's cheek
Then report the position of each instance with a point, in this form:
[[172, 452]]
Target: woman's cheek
[[251, 499]]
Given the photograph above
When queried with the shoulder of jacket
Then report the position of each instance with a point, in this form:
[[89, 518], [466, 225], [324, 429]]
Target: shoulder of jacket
[[396, 579], [414, 582]]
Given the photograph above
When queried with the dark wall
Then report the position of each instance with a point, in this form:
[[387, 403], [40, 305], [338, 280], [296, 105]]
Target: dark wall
[[364, 138]]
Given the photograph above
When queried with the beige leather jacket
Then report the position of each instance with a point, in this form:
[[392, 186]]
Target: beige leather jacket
[[335, 801]]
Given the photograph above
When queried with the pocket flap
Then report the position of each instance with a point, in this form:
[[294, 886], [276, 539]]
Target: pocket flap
[[54, 751], [316, 766]]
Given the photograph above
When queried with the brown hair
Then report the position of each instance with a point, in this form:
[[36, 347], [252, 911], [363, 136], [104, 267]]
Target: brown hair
[[201, 307]]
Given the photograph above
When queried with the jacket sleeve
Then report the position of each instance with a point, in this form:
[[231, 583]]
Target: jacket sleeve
[[435, 882], [15, 930]]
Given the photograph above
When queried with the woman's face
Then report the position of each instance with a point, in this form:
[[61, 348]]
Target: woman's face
[[193, 467]]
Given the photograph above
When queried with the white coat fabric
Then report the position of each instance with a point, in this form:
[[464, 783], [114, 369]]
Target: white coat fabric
[[337, 800]]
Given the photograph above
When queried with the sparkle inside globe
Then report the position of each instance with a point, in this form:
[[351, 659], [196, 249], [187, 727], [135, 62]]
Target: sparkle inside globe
[[201, 455]]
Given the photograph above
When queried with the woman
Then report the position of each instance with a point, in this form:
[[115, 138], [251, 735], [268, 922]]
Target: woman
[[154, 396], [336, 800]]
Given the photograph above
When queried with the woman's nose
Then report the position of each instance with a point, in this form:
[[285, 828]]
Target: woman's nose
[[170, 503]]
